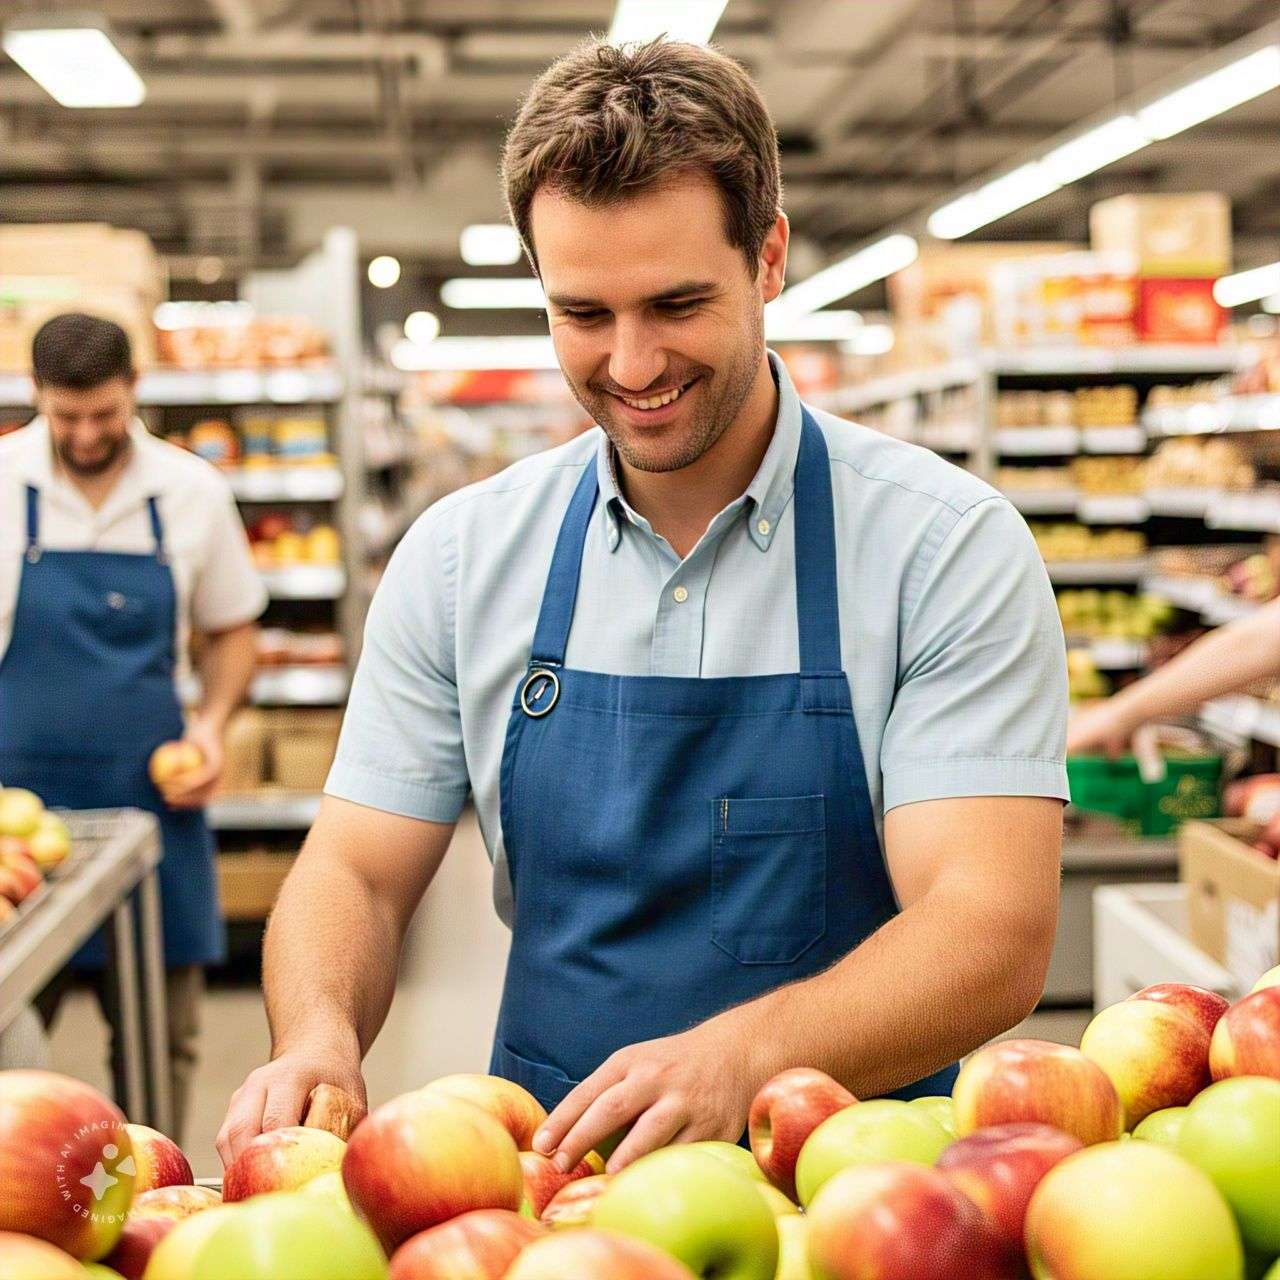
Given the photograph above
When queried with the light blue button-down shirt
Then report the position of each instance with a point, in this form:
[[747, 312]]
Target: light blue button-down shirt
[[950, 635]]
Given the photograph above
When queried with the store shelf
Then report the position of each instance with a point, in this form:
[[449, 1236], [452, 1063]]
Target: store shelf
[[1115, 654], [899, 386], [1100, 572], [265, 811], [285, 484], [1189, 503], [1247, 511], [1241, 716], [318, 686], [305, 582], [1069, 361], [948, 437], [1200, 595], [1122, 439], [1043, 502], [1112, 508], [159, 387], [1230, 413], [1031, 442]]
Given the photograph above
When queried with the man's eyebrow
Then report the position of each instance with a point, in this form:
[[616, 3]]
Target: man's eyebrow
[[685, 289]]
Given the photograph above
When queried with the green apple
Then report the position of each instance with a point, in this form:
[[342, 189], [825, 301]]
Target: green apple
[[328, 1189], [1273, 1272], [732, 1154], [701, 1211], [1232, 1132], [942, 1109], [793, 1249], [883, 1129], [779, 1204], [96, 1271], [290, 1235], [1162, 1126]]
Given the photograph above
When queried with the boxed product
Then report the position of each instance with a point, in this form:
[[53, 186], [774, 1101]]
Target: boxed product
[[93, 254], [245, 764], [1178, 310], [249, 882], [1084, 299], [303, 743], [1234, 895], [1177, 235]]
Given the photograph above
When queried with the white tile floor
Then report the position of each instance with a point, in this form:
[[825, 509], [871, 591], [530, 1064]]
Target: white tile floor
[[441, 1020]]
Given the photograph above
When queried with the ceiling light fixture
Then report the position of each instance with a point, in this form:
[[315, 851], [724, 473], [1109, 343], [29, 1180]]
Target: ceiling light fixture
[[422, 327], [870, 340], [487, 293], [74, 59], [850, 274], [689, 20], [384, 271], [475, 353], [489, 244], [1247, 286], [1230, 86], [1271, 305], [818, 326]]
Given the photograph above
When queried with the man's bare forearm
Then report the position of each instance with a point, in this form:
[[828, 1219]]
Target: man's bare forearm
[[226, 663]]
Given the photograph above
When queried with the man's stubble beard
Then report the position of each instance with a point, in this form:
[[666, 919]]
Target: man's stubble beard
[[112, 456]]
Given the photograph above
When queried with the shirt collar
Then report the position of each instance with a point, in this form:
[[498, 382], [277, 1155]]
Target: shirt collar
[[768, 493], [137, 482]]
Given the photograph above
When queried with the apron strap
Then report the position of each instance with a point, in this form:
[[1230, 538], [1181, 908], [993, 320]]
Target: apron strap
[[551, 638], [33, 524], [817, 602], [157, 528]]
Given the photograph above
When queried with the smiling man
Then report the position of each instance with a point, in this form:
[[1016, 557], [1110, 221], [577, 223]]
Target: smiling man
[[762, 712]]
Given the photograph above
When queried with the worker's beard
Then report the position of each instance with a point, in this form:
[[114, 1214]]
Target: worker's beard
[[109, 452]]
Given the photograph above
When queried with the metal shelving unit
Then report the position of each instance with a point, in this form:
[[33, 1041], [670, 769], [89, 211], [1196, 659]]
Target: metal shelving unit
[[110, 878]]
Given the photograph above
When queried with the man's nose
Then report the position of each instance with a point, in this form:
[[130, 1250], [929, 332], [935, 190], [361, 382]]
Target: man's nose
[[636, 361]]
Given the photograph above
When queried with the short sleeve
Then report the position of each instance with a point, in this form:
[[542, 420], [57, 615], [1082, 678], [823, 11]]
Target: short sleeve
[[227, 590], [981, 703], [400, 749]]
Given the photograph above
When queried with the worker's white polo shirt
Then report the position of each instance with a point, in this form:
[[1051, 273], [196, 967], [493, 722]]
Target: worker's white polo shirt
[[949, 631], [214, 576]]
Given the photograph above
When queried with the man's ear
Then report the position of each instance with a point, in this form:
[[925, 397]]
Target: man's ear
[[773, 258]]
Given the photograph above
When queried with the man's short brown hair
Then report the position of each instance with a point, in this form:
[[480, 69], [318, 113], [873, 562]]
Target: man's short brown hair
[[603, 123]]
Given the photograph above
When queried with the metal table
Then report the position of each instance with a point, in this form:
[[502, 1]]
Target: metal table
[[110, 877]]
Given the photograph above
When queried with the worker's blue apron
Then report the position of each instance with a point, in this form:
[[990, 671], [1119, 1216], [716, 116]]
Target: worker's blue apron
[[87, 694], [679, 845]]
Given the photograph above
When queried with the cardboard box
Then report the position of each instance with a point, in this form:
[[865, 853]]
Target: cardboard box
[[1076, 299], [303, 743], [1234, 896], [245, 745], [1179, 311], [1169, 235], [249, 883], [92, 253]]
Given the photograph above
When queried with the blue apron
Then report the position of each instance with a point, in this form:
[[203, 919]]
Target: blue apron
[[87, 694], [678, 845]]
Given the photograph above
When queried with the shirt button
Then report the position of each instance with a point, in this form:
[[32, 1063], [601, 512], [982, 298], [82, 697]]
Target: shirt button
[[681, 594], [764, 527]]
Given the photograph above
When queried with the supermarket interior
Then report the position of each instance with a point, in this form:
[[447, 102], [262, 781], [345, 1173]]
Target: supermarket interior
[[1037, 241]]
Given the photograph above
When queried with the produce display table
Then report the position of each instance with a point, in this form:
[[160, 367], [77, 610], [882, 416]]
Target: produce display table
[[109, 877]]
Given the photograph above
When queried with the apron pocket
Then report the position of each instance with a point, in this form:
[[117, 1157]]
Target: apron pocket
[[769, 877], [548, 1084]]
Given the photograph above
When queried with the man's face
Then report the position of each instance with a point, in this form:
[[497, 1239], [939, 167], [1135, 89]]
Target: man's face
[[89, 428], [648, 300]]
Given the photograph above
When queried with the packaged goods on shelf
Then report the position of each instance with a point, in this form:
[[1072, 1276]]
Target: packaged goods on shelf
[[279, 539], [1250, 575], [216, 441], [1084, 681], [1106, 406], [1169, 235], [1113, 615], [1034, 479], [1108, 475], [1179, 311], [1035, 409], [1077, 542], [1084, 299], [248, 343], [280, 647], [1193, 462]]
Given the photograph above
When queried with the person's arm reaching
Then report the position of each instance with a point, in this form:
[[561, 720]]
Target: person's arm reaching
[[964, 960], [1224, 661], [226, 662], [330, 959]]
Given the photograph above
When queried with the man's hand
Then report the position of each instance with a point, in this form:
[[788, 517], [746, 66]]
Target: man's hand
[[194, 790], [275, 1096], [682, 1088]]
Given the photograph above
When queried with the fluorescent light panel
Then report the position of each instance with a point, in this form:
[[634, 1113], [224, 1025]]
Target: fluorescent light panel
[[489, 244], [870, 340], [492, 294], [849, 275], [1095, 150], [820, 326], [1247, 286], [77, 65], [1271, 305], [689, 20], [475, 353], [1210, 96]]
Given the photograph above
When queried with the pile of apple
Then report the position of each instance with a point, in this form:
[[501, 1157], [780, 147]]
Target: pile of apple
[[32, 842], [1152, 1152]]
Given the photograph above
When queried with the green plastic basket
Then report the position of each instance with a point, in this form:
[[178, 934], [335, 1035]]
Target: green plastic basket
[[1191, 788]]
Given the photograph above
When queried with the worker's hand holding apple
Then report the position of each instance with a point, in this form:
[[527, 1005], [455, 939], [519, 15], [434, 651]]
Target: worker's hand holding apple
[[186, 771]]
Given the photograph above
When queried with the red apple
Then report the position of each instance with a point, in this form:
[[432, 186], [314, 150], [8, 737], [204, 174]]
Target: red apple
[[1155, 1054], [479, 1245], [900, 1220], [26, 1258], [281, 1160], [1039, 1081], [1246, 1042], [998, 1169], [171, 760], [175, 1203], [24, 866], [65, 1165], [15, 885], [542, 1179], [158, 1159], [1203, 1005], [424, 1158], [136, 1244], [513, 1107], [571, 1206], [595, 1255], [788, 1108]]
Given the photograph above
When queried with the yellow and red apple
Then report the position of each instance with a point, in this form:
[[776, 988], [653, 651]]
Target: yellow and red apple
[[158, 1160], [786, 1110], [176, 1202], [1246, 1041], [572, 1205], [513, 1106], [542, 1180], [138, 1241], [590, 1254], [479, 1245], [1202, 1004], [24, 1257], [281, 1160]]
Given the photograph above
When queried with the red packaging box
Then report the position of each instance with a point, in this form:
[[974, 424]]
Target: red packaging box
[[1179, 311]]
